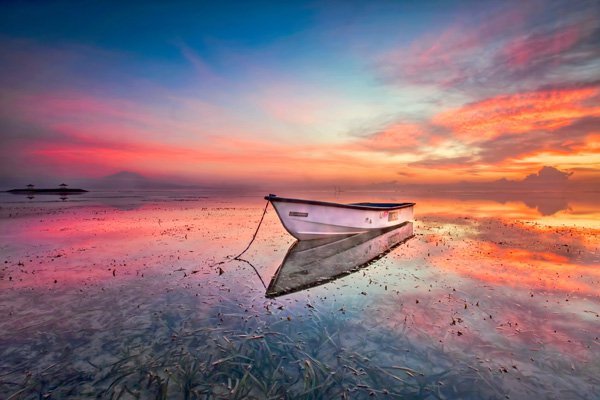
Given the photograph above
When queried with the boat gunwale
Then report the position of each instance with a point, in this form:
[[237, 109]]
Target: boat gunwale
[[395, 206]]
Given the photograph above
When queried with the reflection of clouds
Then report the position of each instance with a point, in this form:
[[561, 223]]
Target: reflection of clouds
[[495, 326], [515, 254], [567, 243], [548, 205], [528, 270], [511, 290], [581, 212], [533, 309], [78, 246]]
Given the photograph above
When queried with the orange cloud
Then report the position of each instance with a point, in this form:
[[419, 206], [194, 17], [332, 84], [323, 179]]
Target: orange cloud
[[520, 113], [591, 143]]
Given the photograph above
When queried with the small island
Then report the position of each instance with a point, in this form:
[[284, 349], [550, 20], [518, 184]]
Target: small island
[[62, 189]]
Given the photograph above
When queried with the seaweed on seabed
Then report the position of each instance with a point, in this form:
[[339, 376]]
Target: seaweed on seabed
[[56, 380], [271, 357]]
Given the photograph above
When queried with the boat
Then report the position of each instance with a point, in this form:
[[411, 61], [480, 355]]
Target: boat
[[312, 219], [312, 263]]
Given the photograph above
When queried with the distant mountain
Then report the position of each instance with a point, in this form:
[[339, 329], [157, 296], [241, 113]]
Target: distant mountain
[[130, 180]]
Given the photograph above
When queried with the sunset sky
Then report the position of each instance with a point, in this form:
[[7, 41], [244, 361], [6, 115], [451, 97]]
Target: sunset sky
[[299, 93]]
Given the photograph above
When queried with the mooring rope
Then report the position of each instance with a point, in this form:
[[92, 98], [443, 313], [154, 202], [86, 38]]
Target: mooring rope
[[255, 232], [237, 258], [255, 270]]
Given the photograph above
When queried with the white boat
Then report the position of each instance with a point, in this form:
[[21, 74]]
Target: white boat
[[315, 262], [311, 219]]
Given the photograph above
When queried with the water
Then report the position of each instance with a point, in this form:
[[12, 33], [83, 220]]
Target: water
[[125, 296]]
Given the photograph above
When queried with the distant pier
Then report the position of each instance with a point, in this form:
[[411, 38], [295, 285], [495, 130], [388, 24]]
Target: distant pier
[[47, 191]]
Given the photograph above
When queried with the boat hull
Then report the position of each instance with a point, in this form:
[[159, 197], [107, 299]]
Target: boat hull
[[308, 220]]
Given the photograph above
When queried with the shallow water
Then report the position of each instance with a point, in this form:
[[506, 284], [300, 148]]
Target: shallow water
[[127, 296]]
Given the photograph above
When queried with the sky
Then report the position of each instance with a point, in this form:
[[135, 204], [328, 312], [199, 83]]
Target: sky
[[299, 93]]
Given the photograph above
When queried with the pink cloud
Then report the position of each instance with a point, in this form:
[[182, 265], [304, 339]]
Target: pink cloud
[[442, 58], [522, 51], [515, 48]]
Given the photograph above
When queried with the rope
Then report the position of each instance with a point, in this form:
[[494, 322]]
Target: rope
[[255, 232], [229, 258], [255, 270]]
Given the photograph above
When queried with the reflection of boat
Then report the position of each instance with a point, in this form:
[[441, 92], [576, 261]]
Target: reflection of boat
[[312, 263], [310, 219]]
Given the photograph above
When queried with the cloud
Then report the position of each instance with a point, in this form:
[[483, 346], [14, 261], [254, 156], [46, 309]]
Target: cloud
[[460, 162], [463, 150], [518, 90], [571, 140], [510, 49], [488, 136], [562, 122], [538, 49], [397, 137], [545, 110], [548, 175]]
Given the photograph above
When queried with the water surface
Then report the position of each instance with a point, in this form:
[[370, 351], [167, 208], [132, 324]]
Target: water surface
[[135, 295]]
